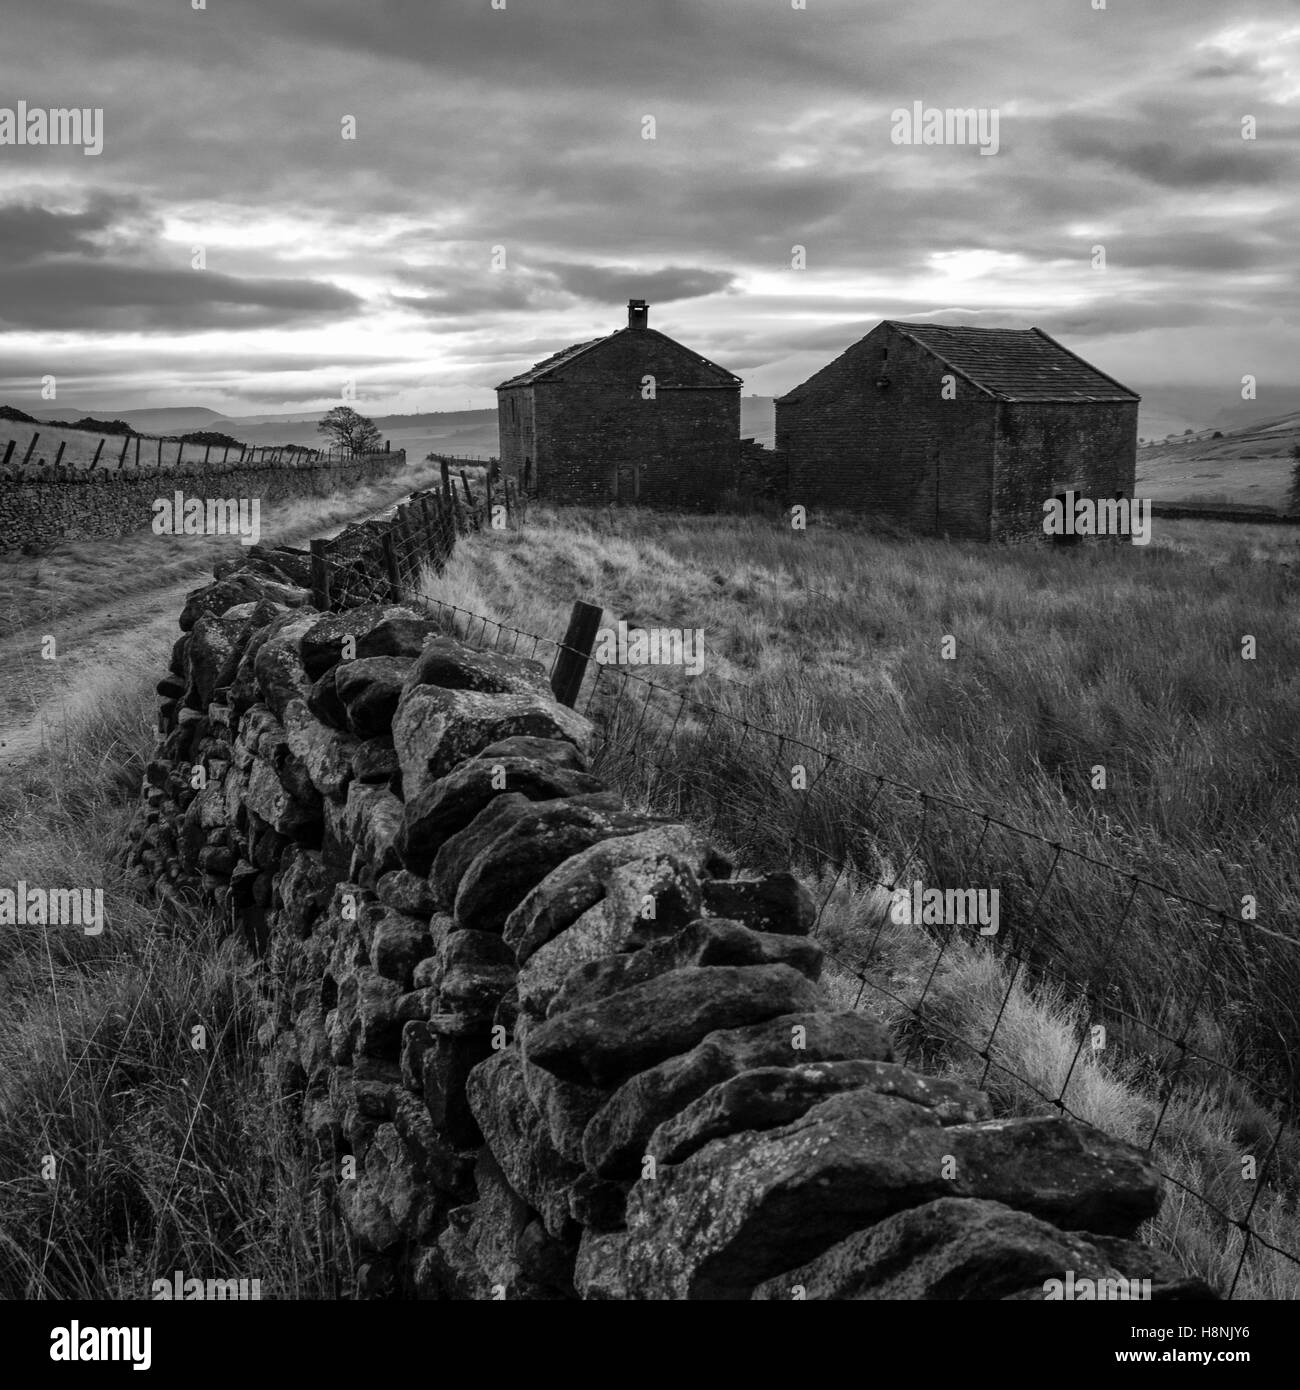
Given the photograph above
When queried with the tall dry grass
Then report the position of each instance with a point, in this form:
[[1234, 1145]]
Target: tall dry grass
[[1123, 658]]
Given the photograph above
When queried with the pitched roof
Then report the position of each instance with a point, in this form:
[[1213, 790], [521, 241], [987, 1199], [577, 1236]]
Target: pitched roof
[[564, 357], [1016, 364], [549, 364]]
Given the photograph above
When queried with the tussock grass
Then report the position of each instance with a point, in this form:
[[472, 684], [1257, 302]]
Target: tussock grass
[[1122, 657], [165, 1157]]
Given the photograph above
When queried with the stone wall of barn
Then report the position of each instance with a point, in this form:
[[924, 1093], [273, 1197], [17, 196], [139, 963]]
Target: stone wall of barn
[[599, 440], [543, 1046], [902, 453], [1046, 448], [37, 509]]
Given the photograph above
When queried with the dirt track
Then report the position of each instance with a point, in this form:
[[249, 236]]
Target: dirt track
[[35, 694]]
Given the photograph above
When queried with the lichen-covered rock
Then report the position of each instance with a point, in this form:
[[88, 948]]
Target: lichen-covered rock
[[603, 1043], [451, 665], [773, 903], [591, 938], [503, 872], [375, 629], [397, 943], [407, 892], [434, 729], [617, 1136], [578, 884], [375, 760], [325, 753], [372, 819], [368, 690], [744, 1208], [447, 806], [216, 644], [768, 1097], [955, 1248], [460, 850], [475, 970], [280, 809], [556, 752], [706, 941], [277, 665], [519, 1139]]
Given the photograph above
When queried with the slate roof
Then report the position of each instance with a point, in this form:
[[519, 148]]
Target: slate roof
[[1016, 364], [549, 364], [564, 357]]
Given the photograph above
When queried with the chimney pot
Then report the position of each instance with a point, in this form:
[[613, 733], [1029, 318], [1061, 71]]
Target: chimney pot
[[638, 312]]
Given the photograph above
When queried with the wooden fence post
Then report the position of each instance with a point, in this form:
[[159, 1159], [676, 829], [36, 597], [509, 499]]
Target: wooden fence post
[[58, 458], [320, 575], [445, 468], [137, 451], [390, 564], [9, 453], [99, 449], [160, 451], [121, 458], [31, 445], [571, 663]]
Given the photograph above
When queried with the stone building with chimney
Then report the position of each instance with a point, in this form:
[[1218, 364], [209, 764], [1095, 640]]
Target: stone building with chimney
[[957, 431], [632, 417]]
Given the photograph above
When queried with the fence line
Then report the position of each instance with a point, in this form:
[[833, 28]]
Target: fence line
[[253, 455], [855, 828]]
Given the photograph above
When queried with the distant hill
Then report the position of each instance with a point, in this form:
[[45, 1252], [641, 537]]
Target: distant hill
[[1250, 464], [165, 420]]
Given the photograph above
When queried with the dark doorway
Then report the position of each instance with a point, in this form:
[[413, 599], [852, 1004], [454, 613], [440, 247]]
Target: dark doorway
[[1067, 514]]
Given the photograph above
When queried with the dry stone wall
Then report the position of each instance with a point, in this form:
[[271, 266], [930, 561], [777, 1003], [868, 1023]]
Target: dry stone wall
[[78, 504], [544, 1046]]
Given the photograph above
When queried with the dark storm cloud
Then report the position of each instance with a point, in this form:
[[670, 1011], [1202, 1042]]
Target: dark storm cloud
[[1176, 165], [91, 295], [617, 284]]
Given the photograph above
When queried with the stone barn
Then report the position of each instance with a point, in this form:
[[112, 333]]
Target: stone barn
[[955, 431], [631, 417]]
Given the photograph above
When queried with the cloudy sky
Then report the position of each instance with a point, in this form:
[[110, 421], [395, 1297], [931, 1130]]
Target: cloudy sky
[[500, 199]]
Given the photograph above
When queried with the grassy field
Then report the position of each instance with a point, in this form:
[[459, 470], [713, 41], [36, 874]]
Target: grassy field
[[1126, 658], [1250, 465]]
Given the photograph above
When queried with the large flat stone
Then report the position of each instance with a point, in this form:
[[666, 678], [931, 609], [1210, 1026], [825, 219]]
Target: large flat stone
[[446, 807], [745, 1208], [602, 1044], [618, 1134], [768, 1097], [434, 729], [706, 941], [520, 1141], [955, 1248], [502, 874], [374, 629], [579, 884]]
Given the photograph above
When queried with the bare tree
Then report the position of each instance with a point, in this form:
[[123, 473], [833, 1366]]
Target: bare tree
[[350, 431]]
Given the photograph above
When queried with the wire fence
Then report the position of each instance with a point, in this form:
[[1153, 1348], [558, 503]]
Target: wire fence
[[1168, 993], [56, 450]]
